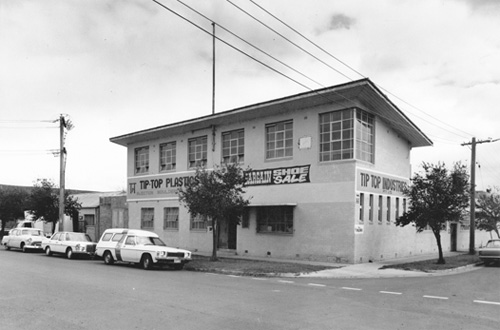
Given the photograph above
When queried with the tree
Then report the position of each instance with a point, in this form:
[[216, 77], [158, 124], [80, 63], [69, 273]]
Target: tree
[[44, 202], [12, 205], [488, 214], [436, 196], [216, 195]]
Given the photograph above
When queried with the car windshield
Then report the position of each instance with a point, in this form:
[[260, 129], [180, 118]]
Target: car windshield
[[495, 244], [149, 241], [82, 237]]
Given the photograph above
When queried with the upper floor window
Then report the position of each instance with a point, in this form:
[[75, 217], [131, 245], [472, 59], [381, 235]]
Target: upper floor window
[[167, 156], [233, 147], [339, 130], [141, 160], [197, 152], [364, 136], [279, 140]]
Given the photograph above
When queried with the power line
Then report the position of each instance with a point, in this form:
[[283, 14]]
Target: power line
[[293, 43], [251, 45], [401, 126], [348, 66]]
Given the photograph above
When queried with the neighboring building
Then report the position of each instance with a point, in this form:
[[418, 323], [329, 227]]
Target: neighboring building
[[327, 172], [101, 211]]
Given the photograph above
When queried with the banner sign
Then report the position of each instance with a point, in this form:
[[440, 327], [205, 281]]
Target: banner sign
[[278, 176], [160, 186], [380, 183]]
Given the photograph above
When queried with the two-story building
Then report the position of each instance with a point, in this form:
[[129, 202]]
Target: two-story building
[[327, 171]]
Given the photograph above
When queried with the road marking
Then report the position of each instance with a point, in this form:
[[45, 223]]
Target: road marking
[[353, 289], [436, 297], [315, 284], [233, 275], [259, 279], [487, 302], [283, 281], [390, 292]]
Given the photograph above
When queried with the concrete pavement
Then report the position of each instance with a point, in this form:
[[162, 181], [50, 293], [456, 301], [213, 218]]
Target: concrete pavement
[[364, 270]]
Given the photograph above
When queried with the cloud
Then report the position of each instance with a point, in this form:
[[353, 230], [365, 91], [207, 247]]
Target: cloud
[[341, 21]]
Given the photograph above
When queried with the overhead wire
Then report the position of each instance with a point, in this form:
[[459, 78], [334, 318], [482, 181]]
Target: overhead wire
[[401, 126], [348, 66], [251, 45]]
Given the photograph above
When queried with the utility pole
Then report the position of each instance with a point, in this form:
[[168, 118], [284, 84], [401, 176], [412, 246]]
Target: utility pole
[[213, 68], [472, 232], [62, 154], [63, 124]]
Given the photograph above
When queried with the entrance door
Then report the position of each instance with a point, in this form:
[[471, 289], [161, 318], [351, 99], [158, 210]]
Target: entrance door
[[227, 235], [453, 237]]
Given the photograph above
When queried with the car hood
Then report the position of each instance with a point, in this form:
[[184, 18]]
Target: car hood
[[159, 248]]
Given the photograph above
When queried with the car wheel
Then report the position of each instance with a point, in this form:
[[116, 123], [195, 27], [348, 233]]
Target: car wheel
[[48, 252], [23, 247], [7, 247], [108, 258], [69, 253], [146, 262]]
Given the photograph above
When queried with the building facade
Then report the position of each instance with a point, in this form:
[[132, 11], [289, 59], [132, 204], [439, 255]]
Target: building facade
[[326, 172]]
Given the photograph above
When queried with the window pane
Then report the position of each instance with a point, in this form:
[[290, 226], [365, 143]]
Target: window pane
[[279, 140]]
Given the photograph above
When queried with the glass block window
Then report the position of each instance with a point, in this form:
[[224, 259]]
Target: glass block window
[[275, 219], [167, 156], [147, 217], [233, 147], [279, 140], [142, 160], [197, 152], [171, 218]]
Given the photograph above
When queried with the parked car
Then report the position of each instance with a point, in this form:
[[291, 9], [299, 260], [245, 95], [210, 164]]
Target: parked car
[[490, 253], [139, 247], [24, 238], [70, 244]]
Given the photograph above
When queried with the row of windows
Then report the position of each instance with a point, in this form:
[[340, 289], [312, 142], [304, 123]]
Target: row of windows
[[383, 208], [344, 134], [269, 220]]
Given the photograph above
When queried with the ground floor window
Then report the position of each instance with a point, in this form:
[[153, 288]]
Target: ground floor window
[[147, 217], [198, 223], [89, 219], [171, 218], [275, 219]]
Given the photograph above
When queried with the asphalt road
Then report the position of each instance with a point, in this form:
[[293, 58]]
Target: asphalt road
[[40, 292]]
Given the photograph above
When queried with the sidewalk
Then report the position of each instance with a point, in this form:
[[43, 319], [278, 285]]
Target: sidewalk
[[364, 270]]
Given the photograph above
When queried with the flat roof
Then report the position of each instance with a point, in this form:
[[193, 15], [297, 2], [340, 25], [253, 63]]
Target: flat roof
[[363, 91]]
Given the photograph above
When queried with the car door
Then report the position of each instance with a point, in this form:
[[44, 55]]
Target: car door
[[14, 237], [54, 242], [130, 250]]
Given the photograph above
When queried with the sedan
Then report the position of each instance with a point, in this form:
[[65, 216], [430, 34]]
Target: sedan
[[24, 238], [490, 253], [70, 244]]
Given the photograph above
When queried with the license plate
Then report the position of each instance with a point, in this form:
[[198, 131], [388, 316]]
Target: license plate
[[177, 261]]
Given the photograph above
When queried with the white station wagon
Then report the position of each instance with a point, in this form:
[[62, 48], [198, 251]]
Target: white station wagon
[[139, 247]]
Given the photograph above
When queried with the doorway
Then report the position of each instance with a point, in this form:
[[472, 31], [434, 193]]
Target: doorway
[[453, 237], [227, 235]]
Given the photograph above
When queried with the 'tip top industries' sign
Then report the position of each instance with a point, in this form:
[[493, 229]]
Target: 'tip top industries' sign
[[380, 183]]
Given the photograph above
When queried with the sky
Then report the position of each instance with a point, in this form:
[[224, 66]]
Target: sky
[[116, 67]]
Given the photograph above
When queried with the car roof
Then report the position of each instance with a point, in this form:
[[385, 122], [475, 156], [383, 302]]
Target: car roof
[[138, 232]]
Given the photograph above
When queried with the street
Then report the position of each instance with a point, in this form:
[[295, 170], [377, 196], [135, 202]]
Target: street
[[37, 291]]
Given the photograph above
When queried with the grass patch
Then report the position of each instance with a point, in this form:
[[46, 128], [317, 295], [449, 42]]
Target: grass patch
[[250, 267], [432, 265]]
